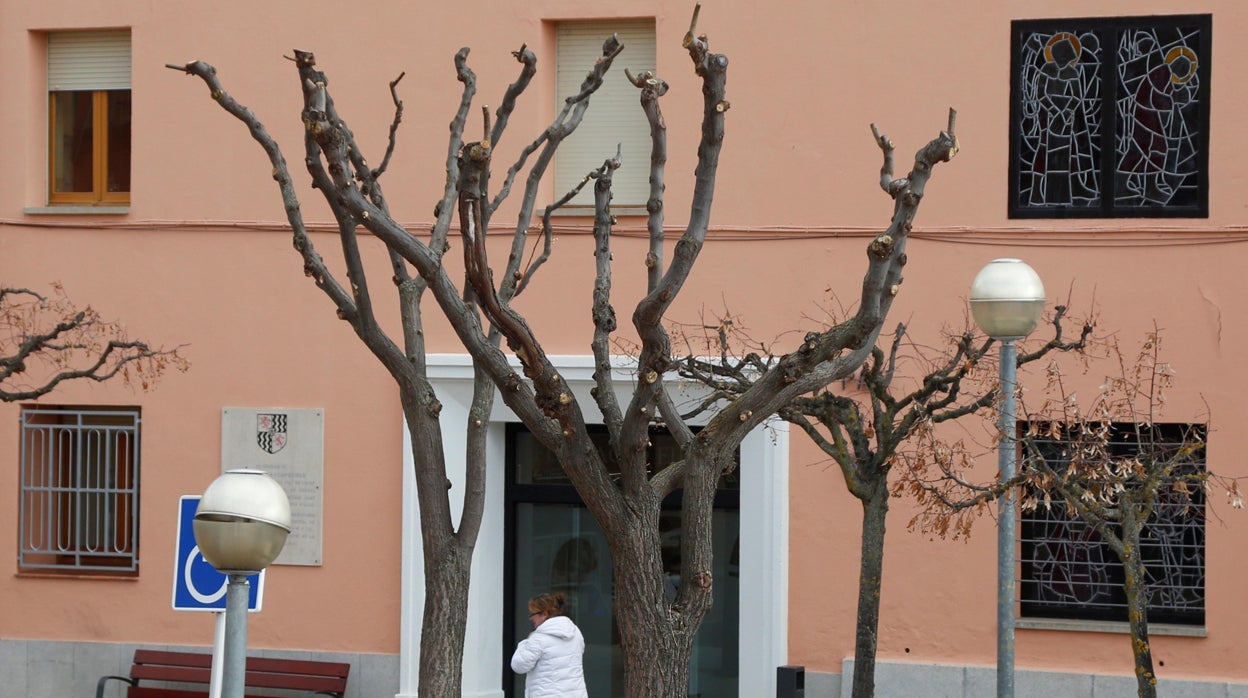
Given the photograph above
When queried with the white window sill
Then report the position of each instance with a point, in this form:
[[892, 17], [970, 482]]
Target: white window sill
[[76, 210], [1108, 626]]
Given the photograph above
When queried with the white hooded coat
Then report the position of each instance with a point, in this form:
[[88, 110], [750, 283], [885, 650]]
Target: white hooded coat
[[551, 656]]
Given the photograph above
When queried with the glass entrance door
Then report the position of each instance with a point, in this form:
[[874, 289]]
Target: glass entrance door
[[554, 545]]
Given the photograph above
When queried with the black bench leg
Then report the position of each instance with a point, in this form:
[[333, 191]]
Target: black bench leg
[[99, 687]]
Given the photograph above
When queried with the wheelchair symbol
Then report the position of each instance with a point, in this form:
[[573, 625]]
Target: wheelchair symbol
[[197, 585], [191, 561]]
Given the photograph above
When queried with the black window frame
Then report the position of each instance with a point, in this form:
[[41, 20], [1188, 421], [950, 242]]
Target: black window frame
[[514, 493], [1110, 29]]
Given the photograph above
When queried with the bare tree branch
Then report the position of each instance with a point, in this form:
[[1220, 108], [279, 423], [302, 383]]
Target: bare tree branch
[[656, 630], [604, 319], [394, 127], [47, 340]]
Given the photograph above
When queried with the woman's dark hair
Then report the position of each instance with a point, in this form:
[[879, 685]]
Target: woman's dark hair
[[550, 604]]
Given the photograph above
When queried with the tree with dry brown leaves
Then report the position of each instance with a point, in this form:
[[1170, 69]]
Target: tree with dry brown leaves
[[46, 340], [1109, 462]]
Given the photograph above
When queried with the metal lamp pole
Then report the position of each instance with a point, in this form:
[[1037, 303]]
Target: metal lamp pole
[[1007, 513], [234, 652], [241, 524], [1007, 299]]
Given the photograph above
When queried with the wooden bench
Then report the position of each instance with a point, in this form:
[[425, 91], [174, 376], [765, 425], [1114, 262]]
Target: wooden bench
[[309, 678]]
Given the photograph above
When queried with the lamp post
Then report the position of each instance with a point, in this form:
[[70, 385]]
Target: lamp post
[[1007, 299], [240, 526]]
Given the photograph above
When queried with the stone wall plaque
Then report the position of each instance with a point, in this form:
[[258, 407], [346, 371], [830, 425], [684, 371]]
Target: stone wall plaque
[[288, 444]]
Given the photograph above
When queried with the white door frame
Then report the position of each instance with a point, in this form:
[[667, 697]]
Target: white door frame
[[764, 536]]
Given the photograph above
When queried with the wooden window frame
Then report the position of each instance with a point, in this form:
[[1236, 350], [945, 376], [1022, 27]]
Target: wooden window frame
[[99, 194]]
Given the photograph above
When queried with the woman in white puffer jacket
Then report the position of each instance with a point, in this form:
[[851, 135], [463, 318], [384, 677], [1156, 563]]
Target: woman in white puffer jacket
[[551, 654]]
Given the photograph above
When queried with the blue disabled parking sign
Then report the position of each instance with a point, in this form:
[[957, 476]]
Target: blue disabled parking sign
[[197, 585]]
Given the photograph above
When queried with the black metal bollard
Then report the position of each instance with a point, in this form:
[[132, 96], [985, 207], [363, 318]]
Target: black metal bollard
[[790, 682]]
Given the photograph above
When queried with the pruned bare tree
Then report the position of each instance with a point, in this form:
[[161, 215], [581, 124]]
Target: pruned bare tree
[[657, 632], [867, 424], [46, 340]]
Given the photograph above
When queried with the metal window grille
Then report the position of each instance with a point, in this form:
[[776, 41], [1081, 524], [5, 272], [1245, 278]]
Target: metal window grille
[[1069, 572], [79, 507]]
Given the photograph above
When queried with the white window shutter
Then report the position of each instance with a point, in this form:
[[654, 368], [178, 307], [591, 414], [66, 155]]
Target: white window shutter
[[89, 60], [614, 116]]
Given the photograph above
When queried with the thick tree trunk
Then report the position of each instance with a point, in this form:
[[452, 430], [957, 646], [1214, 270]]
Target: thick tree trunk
[[656, 659], [442, 627], [870, 577], [1137, 611], [447, 555], [657, 651], [657, 637]]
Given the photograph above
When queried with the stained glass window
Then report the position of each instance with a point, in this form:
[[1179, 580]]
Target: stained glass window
[[1109, 117], [1069, 572]]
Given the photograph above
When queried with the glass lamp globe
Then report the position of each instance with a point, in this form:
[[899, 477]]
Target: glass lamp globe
[[1007, 299], [242, 521]]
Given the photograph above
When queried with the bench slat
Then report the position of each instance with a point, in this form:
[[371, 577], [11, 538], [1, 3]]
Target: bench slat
[[295, 682], [162, 672], [305, 677], [150, 692], [297, 666], [198, 659]]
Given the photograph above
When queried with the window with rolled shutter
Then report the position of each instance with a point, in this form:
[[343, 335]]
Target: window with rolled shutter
[[614, 117], [89, 117]]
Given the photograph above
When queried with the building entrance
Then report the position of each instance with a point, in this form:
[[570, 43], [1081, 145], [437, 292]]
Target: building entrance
[[554, 545]]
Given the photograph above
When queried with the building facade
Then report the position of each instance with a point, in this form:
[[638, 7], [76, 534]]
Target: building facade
[[1101, 149]]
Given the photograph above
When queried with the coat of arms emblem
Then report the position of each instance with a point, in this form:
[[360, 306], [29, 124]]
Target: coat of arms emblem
[[271, 432]]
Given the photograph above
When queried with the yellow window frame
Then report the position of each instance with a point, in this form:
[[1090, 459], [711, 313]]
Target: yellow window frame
[[99, 194]]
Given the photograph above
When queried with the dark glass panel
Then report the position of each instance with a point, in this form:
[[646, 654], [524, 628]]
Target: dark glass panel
[[1060, 103], [560, 548], [73, 142], [538, 466], [119, 140], [1159, 111]]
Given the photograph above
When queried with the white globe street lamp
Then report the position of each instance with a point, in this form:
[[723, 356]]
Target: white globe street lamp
[[1007, 300], [240, 526]]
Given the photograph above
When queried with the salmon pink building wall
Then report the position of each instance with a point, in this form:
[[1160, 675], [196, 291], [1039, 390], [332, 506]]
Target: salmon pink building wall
[[202, 258]]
